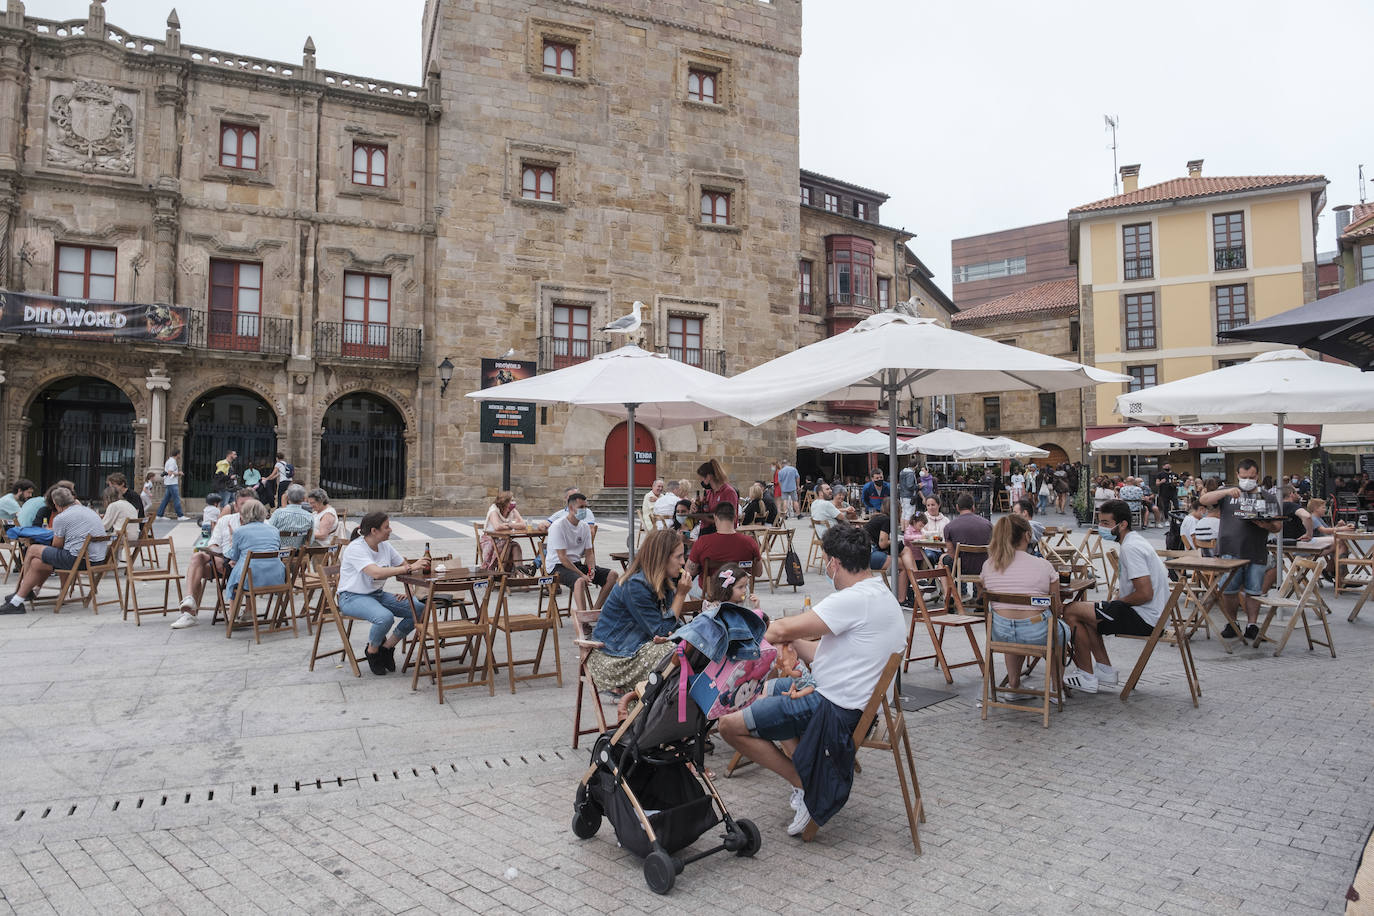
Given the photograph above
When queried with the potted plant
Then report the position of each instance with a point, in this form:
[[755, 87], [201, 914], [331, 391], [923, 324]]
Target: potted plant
[[1083, 500]]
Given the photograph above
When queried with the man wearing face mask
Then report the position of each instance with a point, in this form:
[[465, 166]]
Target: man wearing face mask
[[588, 516], [570, 555], [1144, 591], [1243, 539]]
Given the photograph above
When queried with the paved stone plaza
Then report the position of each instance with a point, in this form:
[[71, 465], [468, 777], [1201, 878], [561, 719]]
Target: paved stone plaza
[[159, 771]]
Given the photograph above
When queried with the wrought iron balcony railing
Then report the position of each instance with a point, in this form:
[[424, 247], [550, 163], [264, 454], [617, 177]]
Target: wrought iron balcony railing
[[561, 352], [367, 340], [240, 333]]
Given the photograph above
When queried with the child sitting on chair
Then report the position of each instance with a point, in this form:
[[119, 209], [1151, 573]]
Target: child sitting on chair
[[788, 665], [729, 583]]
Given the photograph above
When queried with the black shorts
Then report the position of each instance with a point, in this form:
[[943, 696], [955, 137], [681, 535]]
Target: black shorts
[[570, 578], [1117, 618], [58, 558]]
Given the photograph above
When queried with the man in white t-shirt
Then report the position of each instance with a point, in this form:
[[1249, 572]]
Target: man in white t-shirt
[[171, 485], [1144, 592], [364, 566], [588, 516], [665, 507], [204, 564], [858, 628], [824, 512], [570, 553]]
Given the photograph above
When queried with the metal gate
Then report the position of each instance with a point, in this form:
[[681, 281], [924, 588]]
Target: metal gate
[[207, 443], [85, 445], [364, 464]]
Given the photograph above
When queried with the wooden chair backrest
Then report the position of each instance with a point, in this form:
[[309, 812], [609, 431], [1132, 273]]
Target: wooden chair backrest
[[962, 550], [132, 548], [111, 561], [709, 568], [935, 574], [294, 539], [546, 586], [876, 701]]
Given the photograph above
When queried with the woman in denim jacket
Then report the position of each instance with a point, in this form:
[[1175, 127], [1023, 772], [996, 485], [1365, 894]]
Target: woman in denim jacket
[[639, 615]]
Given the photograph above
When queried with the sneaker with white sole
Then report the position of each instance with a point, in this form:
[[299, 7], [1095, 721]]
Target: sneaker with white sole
[[798, 798], [800, 820], [1081, 680], [1106, 677], [186, 619]]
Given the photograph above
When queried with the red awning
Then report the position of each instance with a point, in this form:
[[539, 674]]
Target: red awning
[[807, 427], [1197, 434]]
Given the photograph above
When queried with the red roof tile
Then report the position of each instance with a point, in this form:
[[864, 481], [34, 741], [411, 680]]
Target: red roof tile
[[1184, 188], [1044, 300], [1360, 213]]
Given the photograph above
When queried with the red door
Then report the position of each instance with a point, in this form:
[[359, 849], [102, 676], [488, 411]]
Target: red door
[[646, 458]]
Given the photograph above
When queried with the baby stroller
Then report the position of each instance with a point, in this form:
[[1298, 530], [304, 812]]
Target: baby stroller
[[647, 778]]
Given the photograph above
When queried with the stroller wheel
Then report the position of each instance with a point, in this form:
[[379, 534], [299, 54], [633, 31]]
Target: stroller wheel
[[659, 871], [586, 822], [752, 838]]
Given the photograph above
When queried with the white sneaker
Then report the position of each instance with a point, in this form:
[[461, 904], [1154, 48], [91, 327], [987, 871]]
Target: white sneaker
[[1081, 680], [1106, 677], [799, 822], [183, 518], [798, 798], [185, 620]]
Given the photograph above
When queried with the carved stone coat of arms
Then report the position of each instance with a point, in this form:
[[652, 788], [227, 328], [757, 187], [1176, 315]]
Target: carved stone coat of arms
[[93, 128]]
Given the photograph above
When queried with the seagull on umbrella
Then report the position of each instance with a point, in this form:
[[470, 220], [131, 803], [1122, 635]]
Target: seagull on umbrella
[[627, 324]]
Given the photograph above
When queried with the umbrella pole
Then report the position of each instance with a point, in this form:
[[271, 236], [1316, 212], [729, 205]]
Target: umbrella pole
[[1278, 470], [893, 502], [630, 477]]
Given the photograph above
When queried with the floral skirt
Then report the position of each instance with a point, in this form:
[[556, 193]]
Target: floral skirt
[[613, 672]]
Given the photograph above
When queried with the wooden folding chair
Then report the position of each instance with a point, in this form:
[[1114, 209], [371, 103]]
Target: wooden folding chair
[[309, 582], [11, 553], [585, 622], [544, 620], [86, 574], [279, 614], [1094, 553], [134, 576], [328, 588], [773, 549], [469, 635], [478, 529], [1298, 594], [815, 556], [1170, 628], [890, 734], [1052, 694], [1364, 596], [710, 567], [961, 578], [1353, 561], [944, 620]]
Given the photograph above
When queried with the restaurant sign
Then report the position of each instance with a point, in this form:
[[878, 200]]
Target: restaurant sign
[[510, 422], [645, 457], [90, 319]]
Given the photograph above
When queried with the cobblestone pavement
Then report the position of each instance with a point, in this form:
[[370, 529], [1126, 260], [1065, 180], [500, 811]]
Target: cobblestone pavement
[[159, 771]]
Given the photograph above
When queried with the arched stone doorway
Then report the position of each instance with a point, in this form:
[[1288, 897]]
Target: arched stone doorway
[[224, 419], [82, 430], [363, 449], [646, 457], [1056, 457]]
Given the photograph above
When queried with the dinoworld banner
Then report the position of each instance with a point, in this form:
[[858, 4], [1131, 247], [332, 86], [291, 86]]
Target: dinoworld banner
[[91, 319]]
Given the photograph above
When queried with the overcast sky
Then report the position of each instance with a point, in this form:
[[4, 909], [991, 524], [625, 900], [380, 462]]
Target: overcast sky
[[973, 116]]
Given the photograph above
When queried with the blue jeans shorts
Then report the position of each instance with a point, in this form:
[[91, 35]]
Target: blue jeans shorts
[[1248, 579], [877, 559], [777, 717], [1028, 632]]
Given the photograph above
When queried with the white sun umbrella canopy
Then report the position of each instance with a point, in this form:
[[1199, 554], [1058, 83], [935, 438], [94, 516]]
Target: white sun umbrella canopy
[[1260, 437], [867, 442], [886, 355], [1136, 441], [1020, 449], [823, 438], [646, 388], [959, 445], [1281, 385]]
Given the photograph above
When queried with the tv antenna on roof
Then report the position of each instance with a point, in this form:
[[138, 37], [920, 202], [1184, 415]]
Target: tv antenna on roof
[[1361, 182], [1112, 122]]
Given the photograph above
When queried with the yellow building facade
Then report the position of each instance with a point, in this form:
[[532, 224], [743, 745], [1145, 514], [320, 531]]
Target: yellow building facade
[[1163, 268]]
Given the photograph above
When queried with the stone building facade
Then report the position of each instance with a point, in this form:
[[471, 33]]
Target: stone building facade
[[1043, 318], [326, 240]]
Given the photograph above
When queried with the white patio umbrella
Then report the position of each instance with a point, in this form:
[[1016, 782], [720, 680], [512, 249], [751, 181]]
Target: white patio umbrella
[[643, 387], [1020, 449], [960, 445], [823, 438], [888, 354], [1347, 435], [867, 442], [1136, 440], [1282, 385], [1260, 437]]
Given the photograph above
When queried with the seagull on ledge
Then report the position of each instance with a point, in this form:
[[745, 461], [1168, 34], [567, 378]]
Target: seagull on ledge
[[508, 354], [627, 324]]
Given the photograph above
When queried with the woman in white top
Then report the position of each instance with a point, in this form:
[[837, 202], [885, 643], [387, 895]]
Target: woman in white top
[[328, 525], [365, 565], [1102, 493], [501, 519]]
